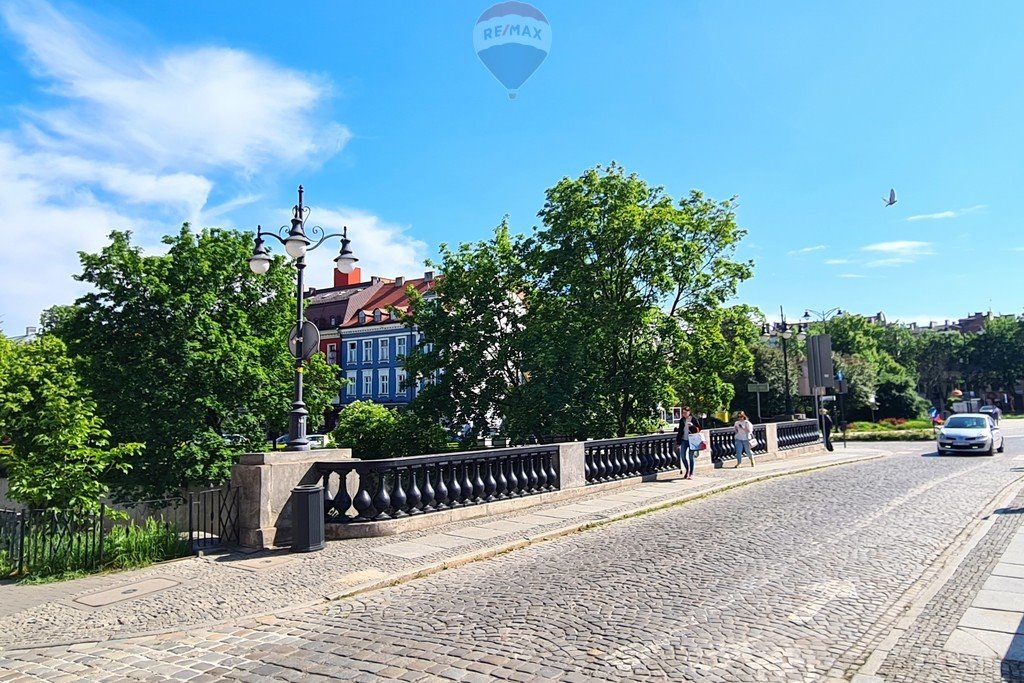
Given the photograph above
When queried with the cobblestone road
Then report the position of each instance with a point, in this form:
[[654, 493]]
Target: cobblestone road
[[796, 578]]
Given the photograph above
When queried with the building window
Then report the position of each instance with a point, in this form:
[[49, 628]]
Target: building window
[[351, 388], [334, 321], [367, 350], [400, 348], [332, 354], [384, 350], [400, 382], [367, 385], [350, 353], [376, 315], [384, 383]]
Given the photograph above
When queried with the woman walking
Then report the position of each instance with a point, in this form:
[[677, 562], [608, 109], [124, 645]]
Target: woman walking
[[688, 426], [743, 429]]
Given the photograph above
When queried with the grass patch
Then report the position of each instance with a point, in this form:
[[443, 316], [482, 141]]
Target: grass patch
[[140, 545], [72, 553]]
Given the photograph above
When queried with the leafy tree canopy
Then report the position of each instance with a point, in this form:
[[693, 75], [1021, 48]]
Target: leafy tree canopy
[[183, 346], [59, 452], [587, 336]]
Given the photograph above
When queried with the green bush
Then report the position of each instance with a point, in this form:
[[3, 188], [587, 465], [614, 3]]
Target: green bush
[[374, 432], [890, 435], [883, 425]]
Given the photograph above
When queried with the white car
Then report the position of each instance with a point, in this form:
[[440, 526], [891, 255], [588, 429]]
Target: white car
[[970, 433], [315, 441]]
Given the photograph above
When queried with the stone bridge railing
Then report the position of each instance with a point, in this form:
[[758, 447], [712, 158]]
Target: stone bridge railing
[[460, 485]]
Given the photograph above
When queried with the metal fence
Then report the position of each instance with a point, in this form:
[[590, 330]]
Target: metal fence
[[54, 541], [213, 518]]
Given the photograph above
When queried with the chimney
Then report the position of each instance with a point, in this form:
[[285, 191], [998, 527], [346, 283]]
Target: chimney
[[374, 279], [399, 281], [428, 276], [30, 330], [346, 279]]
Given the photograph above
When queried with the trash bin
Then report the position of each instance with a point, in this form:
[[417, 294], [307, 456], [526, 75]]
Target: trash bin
[[307, 518]]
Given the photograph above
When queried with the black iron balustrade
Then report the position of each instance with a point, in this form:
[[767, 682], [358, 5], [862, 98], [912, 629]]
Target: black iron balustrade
[[400, 487], [613, 459], [722, 443], [761, 437], [798, 433]]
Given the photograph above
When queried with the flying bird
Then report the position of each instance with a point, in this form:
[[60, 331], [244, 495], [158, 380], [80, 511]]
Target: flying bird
[[892, 198]]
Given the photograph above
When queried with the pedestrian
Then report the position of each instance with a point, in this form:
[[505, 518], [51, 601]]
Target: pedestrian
[[688, 426], [825, 424], [743, 429]]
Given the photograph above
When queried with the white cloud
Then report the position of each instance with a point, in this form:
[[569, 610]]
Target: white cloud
[[851, 276], [808, 250], [886, 262], [836, 261], [946, 214], [208, 107], [1016, 248], [138, 141], [901, 247], [382, 248]]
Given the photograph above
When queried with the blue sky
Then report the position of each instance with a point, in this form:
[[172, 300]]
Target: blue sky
[[144, 115]]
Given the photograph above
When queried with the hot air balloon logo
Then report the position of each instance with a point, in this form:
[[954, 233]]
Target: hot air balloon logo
[[512, 39]]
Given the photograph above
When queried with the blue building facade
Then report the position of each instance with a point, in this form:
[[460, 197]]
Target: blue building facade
[[363, 335]]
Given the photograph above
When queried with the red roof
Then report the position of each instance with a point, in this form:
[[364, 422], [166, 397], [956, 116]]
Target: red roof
[[384, 296]]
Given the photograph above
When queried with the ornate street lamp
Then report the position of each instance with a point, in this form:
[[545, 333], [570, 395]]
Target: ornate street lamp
[[824, 316], [784, 331], [305, 337]]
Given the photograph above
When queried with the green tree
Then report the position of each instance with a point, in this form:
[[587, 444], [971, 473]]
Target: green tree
[[59, 451], [938, 365], [621, 271], [474, 324], [580, 330], [996, 357], [181, 347]]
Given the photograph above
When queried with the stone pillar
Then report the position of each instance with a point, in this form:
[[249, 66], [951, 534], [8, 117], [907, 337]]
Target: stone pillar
[[265, 482], [771, 435], [572, 473]]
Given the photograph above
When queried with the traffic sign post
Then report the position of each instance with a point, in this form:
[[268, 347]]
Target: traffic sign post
[[757, 388]]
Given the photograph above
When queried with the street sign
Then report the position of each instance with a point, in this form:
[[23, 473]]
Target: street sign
[[303, 344], [757, 387], [933, 412]]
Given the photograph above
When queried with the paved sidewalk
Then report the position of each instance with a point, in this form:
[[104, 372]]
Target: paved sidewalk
[[187, 594]]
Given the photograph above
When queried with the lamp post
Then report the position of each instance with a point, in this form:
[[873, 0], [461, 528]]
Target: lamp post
[[823, 316], [305, 337], [784, 330]]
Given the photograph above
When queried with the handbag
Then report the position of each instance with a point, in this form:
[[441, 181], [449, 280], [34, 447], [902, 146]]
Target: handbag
[[695, 442], [753, 442]]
